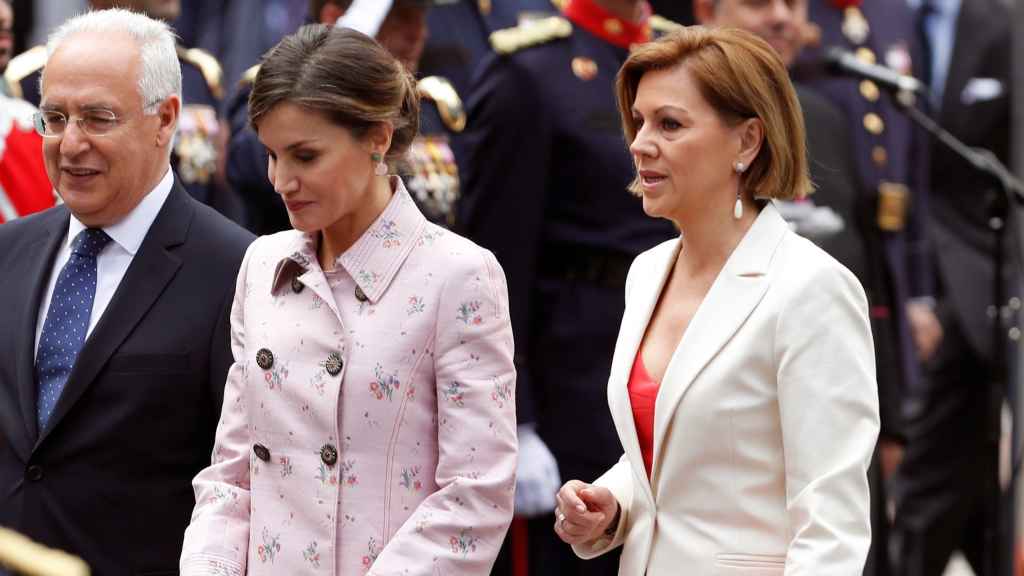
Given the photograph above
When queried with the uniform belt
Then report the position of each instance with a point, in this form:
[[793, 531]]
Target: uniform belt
[[598, 266]]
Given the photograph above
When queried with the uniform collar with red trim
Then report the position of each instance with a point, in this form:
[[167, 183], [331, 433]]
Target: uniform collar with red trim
[[593, 18]]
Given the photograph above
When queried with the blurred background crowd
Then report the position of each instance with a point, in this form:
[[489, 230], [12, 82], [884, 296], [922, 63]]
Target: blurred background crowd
[[521, 150]]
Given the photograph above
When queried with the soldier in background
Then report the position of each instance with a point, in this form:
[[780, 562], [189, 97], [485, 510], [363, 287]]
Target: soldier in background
[[545, 171], [892, 162], [430, 171], [195, 154], [459, 32]]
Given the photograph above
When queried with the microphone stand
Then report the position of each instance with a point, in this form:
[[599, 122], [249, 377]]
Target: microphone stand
[[1005, 189]]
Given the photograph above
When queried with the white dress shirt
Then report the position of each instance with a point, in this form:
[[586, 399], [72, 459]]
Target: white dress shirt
[[114, 259]]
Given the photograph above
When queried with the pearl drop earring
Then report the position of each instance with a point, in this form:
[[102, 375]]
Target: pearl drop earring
[[737, 209]]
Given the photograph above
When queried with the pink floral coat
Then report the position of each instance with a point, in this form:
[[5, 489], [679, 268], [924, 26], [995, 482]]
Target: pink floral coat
[[369, 419]]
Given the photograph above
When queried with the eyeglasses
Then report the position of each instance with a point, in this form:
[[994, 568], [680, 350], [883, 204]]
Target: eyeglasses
[[52, 124]]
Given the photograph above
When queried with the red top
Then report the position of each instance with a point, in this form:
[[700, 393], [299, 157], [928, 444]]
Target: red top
[[643, 391], [590, 16]]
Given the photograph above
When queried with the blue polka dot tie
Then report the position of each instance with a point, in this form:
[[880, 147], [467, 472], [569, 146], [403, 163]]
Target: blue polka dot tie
[[67, 320]]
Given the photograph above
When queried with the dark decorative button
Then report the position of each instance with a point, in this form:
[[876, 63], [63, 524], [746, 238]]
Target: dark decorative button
[[265, 359], [360, 295], [262, 452], [329, 454], [34, 473], [297, 285], [334, 364]]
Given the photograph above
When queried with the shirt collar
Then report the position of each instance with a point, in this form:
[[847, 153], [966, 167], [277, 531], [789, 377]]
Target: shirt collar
[[130, 231], [374, 258]]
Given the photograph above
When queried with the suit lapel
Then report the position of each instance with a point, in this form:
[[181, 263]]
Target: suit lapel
[[963, 62], [152, 268], [35, 267], [735, 293], [645, 291]]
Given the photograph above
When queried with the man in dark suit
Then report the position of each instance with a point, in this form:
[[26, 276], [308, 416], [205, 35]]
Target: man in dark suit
[[116, 339], [947, 486]]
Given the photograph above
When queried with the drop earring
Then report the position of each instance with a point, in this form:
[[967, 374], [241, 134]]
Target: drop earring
[[737, 209], [381, 169]]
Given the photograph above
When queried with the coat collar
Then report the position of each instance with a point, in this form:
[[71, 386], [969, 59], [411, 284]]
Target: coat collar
[[376, 256], [735, 293]]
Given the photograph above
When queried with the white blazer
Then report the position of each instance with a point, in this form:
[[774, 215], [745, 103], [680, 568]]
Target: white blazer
[[765, 421]]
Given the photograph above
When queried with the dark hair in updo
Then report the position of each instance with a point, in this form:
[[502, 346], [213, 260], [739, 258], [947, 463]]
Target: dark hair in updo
[[343, 74]]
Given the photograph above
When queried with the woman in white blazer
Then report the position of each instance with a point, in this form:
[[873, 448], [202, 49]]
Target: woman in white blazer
[[742, 385]]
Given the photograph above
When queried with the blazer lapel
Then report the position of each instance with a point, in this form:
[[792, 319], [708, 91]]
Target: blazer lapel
[[734, 294], [151, 270], [645, 291], [35, 267]]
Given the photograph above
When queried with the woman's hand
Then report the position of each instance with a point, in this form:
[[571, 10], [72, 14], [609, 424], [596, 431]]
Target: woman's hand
[[584, 512]]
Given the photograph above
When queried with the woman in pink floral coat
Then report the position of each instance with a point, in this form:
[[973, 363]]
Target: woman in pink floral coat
[[368, 424]]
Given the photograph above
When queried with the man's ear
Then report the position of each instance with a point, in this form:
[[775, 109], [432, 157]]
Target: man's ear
[[704, 11], [168, 113]]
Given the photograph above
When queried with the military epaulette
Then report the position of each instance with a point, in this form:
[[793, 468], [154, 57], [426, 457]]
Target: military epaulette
[[208, 66], [530, 33], [22, 66], [449, 105], [27, 557], [249, 76], [663, 25]]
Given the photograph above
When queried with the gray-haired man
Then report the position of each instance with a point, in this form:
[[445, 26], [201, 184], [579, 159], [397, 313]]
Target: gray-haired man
[[116, 345]]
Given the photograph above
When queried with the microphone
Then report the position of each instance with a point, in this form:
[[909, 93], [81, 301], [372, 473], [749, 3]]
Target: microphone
[[844, 62]]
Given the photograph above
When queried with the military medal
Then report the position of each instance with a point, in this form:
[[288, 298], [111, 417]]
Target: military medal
[[584, 68]]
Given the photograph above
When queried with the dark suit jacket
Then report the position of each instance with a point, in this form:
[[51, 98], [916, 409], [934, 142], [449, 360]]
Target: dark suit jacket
[[109, 478], [960, 234]]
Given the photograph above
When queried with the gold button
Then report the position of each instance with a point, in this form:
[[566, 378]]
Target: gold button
[[584, 68], [873, 123], [869, 90], [866, 56], [879, 156], [485, 7], [613, 26]]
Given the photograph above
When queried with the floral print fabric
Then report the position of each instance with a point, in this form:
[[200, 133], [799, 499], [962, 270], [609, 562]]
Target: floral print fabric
[[421, 414]]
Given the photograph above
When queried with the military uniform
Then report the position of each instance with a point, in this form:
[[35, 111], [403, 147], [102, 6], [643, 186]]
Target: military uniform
[[459, 33], [429, 169], [545, 171], [892, 163], [891, 158], [194, 158]]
